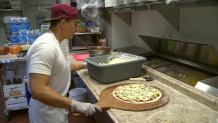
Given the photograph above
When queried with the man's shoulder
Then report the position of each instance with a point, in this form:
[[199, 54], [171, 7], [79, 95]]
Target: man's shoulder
[[45, 37], [45, 41]]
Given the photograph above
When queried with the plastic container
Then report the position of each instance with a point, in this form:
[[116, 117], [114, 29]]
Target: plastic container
[[80, 56], [78, 94], [78, 82], [14, 49], [4, 50], [114, 72], [98, 50]]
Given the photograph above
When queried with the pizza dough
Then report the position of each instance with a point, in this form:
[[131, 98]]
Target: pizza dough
[[138, 93]]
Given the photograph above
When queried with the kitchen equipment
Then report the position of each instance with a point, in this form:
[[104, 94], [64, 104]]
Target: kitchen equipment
[[190, 62], [4, 50], [98, 50], [135, 50], [14, 49], [208, 85], [81, 56], [25, 47], [90, 39], [146, 78], [107, 73], [107, 100], [201, 56], [86, 45], [24, 50]]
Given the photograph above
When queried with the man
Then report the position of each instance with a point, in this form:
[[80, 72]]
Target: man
[[49, 71]]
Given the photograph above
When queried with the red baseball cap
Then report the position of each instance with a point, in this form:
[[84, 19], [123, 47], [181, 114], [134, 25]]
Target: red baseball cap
[[62, 11]]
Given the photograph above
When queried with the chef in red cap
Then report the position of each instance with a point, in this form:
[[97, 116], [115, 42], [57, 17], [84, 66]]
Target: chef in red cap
[[49, 72]]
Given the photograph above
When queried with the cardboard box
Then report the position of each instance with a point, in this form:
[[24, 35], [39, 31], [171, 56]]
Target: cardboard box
[[16, 103], [15, 90]]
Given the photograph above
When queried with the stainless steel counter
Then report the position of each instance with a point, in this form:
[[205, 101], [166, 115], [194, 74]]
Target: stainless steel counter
[[188, 75], [182, 107], [10, 58], [13, 58]]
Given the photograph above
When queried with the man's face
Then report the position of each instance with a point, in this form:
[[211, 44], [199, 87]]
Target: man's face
[[69, 28]]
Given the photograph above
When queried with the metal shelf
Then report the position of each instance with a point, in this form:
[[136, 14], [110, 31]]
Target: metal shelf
[[23, 43], [171, 11], [10, 10], [10, 58], [157, 5], [88, 33]]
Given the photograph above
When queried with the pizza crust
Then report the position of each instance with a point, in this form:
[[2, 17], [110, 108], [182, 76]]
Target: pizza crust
[[138, 93]]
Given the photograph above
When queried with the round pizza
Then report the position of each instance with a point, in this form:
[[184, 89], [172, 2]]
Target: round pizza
[[137, 93]]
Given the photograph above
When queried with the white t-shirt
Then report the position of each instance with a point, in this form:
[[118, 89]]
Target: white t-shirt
[[45, 56]]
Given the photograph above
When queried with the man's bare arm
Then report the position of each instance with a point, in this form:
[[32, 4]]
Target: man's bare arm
[[42, 92], [77, 66]]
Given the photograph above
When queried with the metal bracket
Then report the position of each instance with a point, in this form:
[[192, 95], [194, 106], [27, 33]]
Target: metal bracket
[[126, 17], [172, 16]]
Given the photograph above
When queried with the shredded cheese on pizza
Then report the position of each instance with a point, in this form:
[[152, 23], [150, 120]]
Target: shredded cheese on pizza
[[137, 93]]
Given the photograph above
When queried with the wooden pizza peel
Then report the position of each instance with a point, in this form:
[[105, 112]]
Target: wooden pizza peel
[[107, 100]]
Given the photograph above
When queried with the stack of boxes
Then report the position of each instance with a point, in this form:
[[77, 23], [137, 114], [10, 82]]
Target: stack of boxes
[[15, 96], [14, 88]]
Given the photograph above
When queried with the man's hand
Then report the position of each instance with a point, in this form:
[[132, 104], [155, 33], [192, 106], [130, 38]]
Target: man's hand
[[78, 66], [85, 108]]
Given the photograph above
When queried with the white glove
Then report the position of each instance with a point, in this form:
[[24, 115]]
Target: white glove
[[85, 108], [84, 65]]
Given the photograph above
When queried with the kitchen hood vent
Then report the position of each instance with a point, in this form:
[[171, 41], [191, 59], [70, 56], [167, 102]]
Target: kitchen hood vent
[[159, 4], [202, 56]]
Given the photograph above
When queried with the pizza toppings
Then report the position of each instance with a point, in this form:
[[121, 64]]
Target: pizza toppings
[[137, 93]]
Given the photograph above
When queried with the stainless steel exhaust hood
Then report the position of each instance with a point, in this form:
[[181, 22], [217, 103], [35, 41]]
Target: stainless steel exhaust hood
[[202, 56], [158, 4]]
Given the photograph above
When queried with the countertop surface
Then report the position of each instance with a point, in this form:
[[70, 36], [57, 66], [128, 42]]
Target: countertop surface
[[13, 58], [180, 109], [10, 58]]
